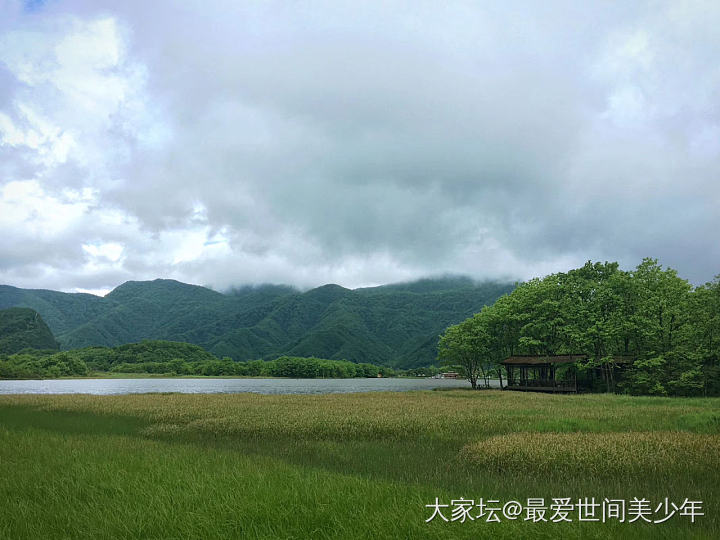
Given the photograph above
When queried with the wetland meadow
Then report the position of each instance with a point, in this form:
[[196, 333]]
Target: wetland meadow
[[354, 465]]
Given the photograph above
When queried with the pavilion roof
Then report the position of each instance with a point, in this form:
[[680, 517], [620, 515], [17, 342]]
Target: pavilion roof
[[544, 359]]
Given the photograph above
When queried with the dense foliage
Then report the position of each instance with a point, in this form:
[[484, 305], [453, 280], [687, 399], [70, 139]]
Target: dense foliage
[[41, 364], [171, 358], [22, 328], [285, 366], [666, 332], [395, 325]]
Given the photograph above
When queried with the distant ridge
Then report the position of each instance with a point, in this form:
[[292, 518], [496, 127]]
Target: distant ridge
[[24, 328], [425, 285], [395, 325]]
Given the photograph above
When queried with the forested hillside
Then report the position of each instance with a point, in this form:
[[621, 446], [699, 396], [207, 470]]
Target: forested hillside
[[395, 325], [23, 328]]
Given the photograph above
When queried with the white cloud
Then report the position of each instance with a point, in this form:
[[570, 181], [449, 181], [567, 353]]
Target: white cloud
[[105, 250], [229, 142], [24, 206]]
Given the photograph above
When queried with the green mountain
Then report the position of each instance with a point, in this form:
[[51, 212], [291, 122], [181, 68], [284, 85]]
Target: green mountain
[[395, 325], [23, 328]]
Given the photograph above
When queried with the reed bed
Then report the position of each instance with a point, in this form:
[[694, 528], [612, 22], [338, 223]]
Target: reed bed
[[448, 415], [628, 455]]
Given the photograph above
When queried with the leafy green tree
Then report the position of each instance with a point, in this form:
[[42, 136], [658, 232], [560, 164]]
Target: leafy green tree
[[465, 345], [702, 339]]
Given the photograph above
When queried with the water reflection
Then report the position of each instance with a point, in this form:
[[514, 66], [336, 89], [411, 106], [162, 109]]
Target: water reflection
[[222, 386]]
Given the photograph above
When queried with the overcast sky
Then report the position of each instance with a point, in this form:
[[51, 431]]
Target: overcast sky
[[359, 143]]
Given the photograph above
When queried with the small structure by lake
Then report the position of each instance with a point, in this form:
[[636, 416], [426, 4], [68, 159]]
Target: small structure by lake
[[560, 373], [545, 373]]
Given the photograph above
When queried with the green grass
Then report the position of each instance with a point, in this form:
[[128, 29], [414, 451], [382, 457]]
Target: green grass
[[345, 465]]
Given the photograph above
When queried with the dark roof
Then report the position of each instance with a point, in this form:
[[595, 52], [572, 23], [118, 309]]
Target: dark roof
[[531, 360], [544, 359]]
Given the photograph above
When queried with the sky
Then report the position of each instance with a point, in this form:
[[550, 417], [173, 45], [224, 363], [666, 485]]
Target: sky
[[226, 143]]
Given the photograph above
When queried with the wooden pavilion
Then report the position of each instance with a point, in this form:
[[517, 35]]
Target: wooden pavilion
[[540, 373]]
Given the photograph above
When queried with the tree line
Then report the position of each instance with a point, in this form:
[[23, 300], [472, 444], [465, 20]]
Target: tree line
[[285, 366], [172, 358], [667, 331]]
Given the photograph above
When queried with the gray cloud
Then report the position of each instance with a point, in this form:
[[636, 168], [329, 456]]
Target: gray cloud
[[316, 142]]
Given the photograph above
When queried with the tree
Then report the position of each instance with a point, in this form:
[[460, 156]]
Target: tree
[[665, 362], [703, 338], [470, 345], [457, 348]]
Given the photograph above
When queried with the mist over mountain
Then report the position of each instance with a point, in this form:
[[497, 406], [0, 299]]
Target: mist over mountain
[[395, 325]]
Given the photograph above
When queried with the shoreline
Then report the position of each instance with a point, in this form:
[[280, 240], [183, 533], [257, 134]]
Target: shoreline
[[106, 375]]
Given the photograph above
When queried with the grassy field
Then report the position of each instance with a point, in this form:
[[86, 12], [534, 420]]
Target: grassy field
[[347, 465]]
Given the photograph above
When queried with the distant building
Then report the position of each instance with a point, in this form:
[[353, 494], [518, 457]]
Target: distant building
[[450, 375]]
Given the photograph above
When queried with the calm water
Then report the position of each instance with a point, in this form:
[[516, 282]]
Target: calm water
[[223, 386]]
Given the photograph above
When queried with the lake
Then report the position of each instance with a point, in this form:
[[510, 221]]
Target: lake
[[223, 386]]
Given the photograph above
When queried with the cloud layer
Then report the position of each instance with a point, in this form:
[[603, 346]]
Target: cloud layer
[[224, 143]]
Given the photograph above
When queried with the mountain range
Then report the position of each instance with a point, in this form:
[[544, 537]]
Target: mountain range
[[395, 325]]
